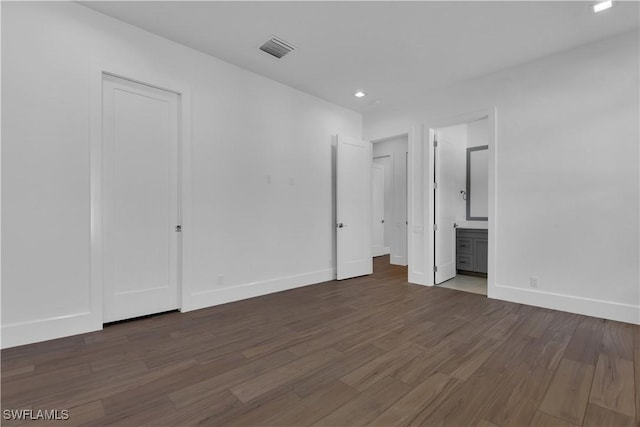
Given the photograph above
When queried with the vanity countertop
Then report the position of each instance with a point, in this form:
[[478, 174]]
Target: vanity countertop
[[466, 225]]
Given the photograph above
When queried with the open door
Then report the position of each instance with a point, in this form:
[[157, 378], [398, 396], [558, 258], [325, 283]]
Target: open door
[[353, 208], [378, 209], [445, 193]]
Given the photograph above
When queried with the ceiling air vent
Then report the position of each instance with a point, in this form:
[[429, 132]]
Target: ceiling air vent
[[276, 47]]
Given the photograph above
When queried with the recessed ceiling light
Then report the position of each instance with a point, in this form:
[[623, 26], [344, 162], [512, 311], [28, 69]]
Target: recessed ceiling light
[[359, 94], [603, 5]]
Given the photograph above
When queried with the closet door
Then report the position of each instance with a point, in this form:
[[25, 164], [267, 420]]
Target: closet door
[[140, 199]]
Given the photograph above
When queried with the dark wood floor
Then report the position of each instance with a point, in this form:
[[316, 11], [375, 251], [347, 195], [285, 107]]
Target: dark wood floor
[[367, 351]]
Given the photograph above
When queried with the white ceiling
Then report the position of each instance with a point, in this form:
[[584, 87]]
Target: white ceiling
[[390, 50]]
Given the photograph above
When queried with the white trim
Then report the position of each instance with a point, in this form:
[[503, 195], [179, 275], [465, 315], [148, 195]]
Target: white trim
[[212, 297], [21, 333], [150, 78], [589, 307], [386, 250]]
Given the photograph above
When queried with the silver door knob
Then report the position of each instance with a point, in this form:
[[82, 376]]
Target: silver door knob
[[340, 225]]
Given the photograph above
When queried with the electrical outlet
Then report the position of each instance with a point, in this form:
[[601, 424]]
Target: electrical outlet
[[220, 279], [292, 182], [533, 281], [268, 179]]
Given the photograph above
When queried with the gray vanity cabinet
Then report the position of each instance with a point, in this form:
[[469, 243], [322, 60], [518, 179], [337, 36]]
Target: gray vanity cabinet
[[471, 251]]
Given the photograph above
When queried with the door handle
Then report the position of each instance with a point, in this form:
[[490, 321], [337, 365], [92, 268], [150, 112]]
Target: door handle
[[340, 225]]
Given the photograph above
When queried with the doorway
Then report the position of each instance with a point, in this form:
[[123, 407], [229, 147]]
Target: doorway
[[140, 199], [460, 208], [390, 154]]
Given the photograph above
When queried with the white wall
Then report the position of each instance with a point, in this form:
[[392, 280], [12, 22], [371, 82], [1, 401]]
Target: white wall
[[567, 175], [396, 225], [461, 137], [477, 135], [261, 237]]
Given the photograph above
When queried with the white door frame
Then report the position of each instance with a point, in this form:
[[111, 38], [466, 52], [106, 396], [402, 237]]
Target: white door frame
[[428, 167], [150, 78]]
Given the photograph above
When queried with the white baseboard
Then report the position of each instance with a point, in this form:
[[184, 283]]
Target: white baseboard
[[21, 333], [590, 307], [209, 298], [386, 250], [15, 334]]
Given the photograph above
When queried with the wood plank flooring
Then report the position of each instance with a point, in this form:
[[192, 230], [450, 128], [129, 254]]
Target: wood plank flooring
[[367, 351]]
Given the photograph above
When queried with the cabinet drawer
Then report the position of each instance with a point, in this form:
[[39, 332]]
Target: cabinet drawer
[[465, 262], [464, 246], [471, 233]]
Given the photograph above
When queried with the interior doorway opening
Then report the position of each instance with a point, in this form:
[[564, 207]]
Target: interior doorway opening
[[390, 217], [461, 200]]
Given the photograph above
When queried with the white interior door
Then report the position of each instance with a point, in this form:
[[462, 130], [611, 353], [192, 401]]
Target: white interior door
[[445, 210], [140, 199], [389, 218], [353, 208], [378, 209]]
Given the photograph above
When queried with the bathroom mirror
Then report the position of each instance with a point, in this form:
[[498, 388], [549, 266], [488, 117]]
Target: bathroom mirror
[[478, 183]]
